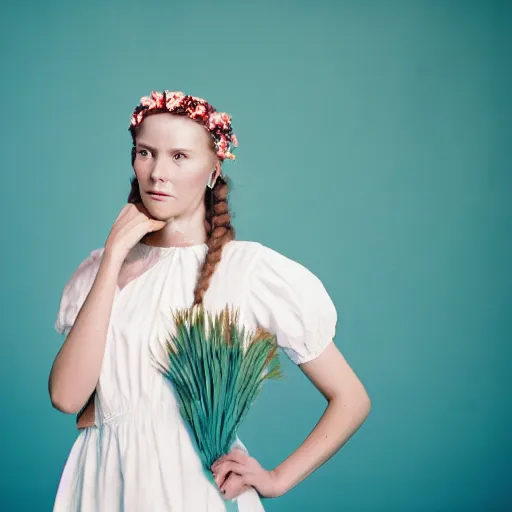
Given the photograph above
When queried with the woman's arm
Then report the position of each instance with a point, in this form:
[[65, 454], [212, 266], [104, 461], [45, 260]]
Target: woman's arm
[[76, 368], [348, 405]]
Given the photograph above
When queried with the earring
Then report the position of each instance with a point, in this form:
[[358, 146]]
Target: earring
[[209, 184]]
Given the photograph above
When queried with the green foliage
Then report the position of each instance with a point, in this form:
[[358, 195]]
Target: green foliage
[[217, 370]]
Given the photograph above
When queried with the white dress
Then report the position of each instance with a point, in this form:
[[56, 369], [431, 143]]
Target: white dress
[[140, 456]]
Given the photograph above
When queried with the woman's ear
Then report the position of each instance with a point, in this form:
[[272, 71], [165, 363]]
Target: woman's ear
[[216, 172]]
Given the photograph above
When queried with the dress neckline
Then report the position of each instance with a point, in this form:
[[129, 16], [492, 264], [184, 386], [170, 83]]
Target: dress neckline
[[143, 251]]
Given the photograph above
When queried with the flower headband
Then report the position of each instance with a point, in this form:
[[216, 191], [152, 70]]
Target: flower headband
[[175, 102]]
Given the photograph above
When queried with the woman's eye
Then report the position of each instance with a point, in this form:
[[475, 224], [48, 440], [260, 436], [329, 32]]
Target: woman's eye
[[143, 152], [179, 156]]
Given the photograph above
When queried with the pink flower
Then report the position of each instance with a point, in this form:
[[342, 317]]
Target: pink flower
[[212, 120], [199, 111], [221, 146], [218, 119], [173, 99], [146, 101], [234, 140], [158, 98], [137, 118]]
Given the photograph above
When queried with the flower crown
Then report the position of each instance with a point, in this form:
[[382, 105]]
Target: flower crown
[[175, 102]]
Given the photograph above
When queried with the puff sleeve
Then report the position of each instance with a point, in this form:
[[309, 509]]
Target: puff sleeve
[[75, 292], [290, 301]]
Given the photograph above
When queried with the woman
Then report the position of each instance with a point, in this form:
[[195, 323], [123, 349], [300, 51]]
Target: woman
[[173, 246]]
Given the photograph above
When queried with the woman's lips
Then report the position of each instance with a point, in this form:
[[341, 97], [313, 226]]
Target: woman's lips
[[158, 196]]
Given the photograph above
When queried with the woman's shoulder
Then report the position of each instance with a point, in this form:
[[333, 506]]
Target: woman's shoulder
[[285, 297], [267, 265], [243, 246], [255, 251], [85, 271], [95, 256], [254, 247], [76, 289], [89, 265], [248, 254]]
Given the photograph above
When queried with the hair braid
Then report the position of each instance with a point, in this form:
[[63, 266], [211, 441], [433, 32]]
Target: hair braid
[[220, 232]]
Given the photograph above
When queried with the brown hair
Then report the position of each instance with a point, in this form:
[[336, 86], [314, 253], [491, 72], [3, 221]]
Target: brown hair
[[217, 224]]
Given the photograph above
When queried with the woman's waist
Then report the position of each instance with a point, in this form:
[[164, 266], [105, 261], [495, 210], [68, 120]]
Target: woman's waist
[[143, 408]]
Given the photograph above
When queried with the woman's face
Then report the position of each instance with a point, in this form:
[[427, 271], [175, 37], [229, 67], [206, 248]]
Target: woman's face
[[173, 157]]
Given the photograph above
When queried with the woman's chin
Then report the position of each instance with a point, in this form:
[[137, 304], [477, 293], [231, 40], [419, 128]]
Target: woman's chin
[[164, 214], [163, 218]]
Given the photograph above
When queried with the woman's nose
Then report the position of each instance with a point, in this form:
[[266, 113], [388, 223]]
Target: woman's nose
[[159, 171]]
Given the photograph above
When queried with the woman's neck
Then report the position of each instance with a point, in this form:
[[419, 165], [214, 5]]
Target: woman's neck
[[178, 233]]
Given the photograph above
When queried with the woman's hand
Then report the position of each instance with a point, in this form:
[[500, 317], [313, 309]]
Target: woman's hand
[[232, 486], [236, 471], [132, 223]]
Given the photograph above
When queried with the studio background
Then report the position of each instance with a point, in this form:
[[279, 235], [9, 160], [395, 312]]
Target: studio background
[[374, 149]]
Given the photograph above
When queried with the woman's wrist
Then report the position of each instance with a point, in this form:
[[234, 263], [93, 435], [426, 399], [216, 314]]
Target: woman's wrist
[[280, 486]]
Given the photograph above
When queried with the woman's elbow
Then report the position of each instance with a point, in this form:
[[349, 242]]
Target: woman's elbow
[[358, 402], [63, 403], [365, 404], [362, 402]]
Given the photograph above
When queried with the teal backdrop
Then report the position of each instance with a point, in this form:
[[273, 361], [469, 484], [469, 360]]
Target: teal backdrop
[[374, 149]]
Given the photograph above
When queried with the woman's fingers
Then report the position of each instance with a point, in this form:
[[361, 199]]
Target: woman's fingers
[[236, 455], [155, 225], [230, 468], [223, 469], [233, 487]]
